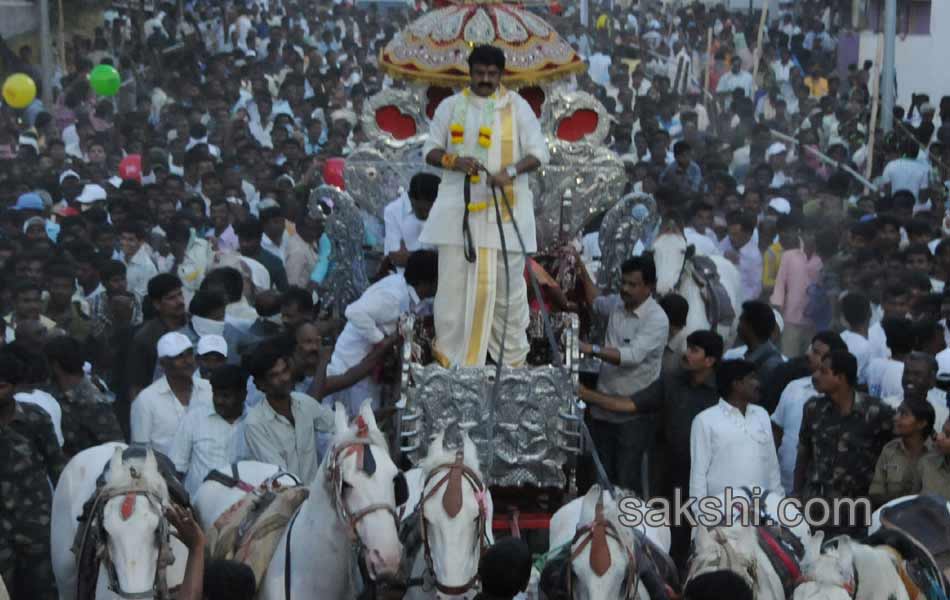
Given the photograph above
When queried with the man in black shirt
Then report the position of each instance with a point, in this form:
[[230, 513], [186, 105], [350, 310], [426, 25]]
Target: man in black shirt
[[678, 397]]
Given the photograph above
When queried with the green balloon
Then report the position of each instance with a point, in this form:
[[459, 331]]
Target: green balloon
[[105, 80]]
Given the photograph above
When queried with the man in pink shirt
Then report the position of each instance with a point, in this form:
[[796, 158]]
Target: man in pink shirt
[[799, 269]]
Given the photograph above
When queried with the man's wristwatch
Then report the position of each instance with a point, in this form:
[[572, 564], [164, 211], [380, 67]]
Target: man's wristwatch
[[512, 171], [595, 350]]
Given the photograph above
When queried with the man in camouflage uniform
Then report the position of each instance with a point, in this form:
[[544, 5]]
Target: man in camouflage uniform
[[842, 434], [30, 459], [89, 418]]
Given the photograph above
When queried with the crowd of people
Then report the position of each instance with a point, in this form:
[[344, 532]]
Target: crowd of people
[[175, 300]]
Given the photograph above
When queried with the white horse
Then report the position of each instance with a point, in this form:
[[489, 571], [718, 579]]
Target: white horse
[[601, 549], [135, 545], [348, 518], [452, 502], [674, 273], [735, 546], [849, 571]]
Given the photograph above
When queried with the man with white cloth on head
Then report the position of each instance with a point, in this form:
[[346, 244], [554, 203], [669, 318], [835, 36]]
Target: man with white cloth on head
[[492, 135]]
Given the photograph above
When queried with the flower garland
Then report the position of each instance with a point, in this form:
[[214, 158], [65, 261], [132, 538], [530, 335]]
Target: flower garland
[[485, 133]]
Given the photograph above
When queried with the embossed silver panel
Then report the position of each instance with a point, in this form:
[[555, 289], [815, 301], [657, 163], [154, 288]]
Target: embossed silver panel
[[528, 436], [519, 451], [632, 218]]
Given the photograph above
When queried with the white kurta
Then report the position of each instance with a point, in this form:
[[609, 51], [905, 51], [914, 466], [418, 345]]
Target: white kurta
[[444, 225], [469, 307], [729, 449]]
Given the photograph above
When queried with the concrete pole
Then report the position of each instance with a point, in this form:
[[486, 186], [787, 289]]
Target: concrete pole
[[888, 75], [46, 54]]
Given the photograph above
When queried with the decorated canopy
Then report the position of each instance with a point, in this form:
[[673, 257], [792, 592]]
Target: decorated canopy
[[434, 49]]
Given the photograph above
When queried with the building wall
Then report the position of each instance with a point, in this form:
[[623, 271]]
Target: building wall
[[19, 16], [920, 60]]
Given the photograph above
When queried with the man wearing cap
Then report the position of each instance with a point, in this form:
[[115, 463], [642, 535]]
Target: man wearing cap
[[29, 205], [159, 408], [92, 195], [213, 437], [775, 156], [212, 353], [70, 188], [165, 294]]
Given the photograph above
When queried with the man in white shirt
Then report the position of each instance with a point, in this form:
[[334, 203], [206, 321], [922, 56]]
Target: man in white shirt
[[917, 384], [213, 438], [491, 133], [739, 247], [731, 444], [158, 409], [735, 79], [274, 238], [699, 232], [907, 173], [140, 267], [288, 429], [374, 319], [405, 216], [787, 418], [856, 313]]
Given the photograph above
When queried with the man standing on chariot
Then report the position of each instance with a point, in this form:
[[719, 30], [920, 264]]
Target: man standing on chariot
[[491, 135]]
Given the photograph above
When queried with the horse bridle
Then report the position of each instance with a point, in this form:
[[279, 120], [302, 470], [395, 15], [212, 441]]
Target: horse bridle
[[362, 450], [732, 563], [595, 535], [160, 589], [364, 457], [455, 473]]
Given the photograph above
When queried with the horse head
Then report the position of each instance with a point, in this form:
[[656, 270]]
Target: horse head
[[135, 540], [670, 252], [454, 510], [602, 552], [724, 548], [826, 575], [366, 487]]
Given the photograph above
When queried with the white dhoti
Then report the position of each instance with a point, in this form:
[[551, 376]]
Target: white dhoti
[[470, 306], [470, 303]]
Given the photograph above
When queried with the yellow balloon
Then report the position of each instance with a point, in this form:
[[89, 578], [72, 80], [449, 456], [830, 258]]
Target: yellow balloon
[[19, 90]]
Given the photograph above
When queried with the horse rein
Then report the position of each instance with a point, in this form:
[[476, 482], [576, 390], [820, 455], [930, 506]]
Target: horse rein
[[595, 535], [459, 472]]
